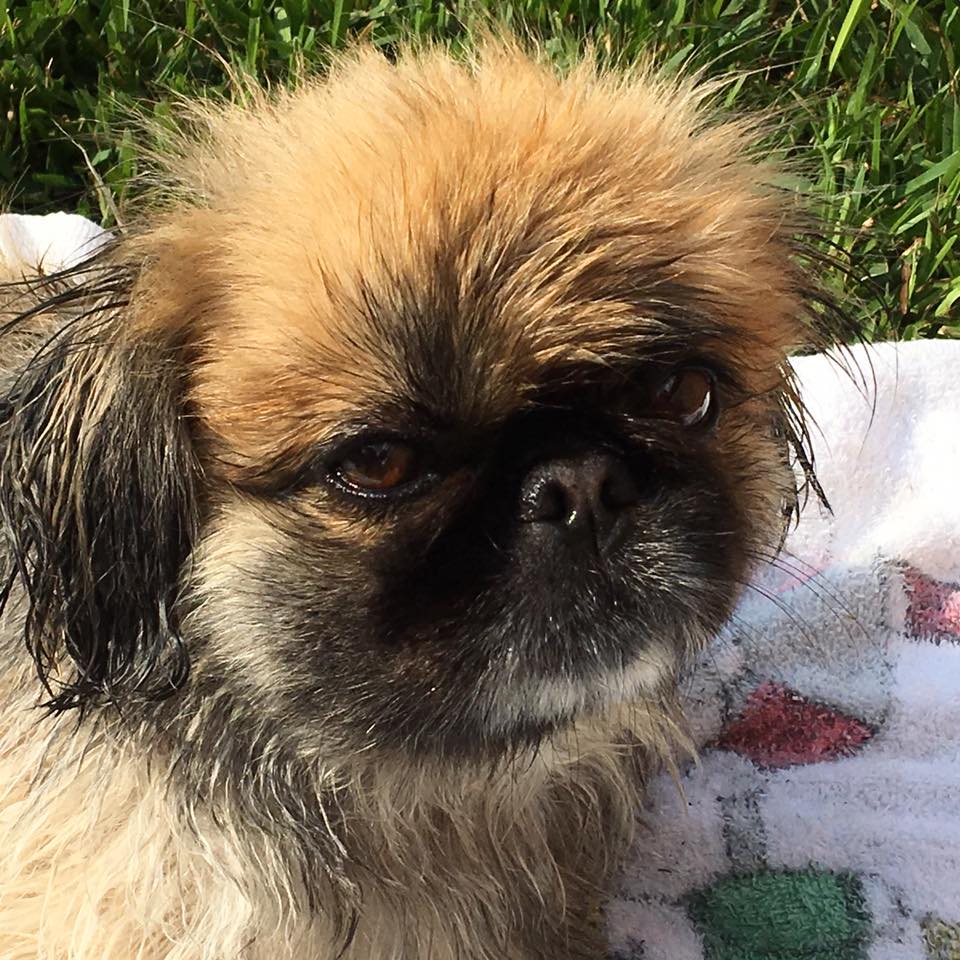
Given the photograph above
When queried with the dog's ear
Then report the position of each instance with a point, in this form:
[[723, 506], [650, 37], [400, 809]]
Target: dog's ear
[[98, 488]]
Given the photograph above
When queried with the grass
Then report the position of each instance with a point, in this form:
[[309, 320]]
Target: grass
[[868, 93]]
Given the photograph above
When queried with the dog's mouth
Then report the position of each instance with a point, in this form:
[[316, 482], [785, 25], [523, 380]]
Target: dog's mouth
[[548, 636], [505, 712], [525, 701], [513, 671]]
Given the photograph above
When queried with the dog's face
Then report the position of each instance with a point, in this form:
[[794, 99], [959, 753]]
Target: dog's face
[[475, 412]]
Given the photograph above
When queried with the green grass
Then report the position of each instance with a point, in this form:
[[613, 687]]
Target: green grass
[[867, 92]]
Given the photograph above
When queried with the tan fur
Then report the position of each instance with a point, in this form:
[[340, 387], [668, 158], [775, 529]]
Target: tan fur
[[380, 170], [279, 218]]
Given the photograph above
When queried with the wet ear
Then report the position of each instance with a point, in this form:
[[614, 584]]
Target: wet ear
[[97, 492]]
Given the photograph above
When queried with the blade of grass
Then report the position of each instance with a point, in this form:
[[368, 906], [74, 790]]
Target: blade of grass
[[846, 28]]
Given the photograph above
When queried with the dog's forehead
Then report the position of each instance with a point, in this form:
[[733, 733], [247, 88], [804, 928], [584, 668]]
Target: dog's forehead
[[457, 312], [449, 250]]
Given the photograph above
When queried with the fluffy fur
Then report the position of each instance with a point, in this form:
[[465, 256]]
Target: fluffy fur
[[284, 720]]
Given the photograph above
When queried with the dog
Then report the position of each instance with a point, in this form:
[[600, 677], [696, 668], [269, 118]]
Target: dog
[[363, 500]]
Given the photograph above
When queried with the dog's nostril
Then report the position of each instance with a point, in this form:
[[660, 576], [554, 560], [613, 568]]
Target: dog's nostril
[[579, 496], [546, 501]]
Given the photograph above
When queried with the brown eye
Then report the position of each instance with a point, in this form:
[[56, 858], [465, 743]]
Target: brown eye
[[686, 396], [379, 466]]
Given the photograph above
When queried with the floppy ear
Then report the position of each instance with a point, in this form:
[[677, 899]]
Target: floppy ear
[[97, 491]]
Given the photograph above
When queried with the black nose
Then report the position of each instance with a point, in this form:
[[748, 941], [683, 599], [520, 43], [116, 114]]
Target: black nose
[[583, 499]]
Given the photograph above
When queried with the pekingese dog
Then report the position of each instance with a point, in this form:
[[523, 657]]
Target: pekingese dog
[[361, 504]]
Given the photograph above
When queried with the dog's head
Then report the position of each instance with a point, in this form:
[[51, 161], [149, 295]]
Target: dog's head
[[444, 404]]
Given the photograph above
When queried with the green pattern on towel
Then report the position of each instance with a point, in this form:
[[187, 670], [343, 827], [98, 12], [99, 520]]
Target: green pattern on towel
[[805, 915]]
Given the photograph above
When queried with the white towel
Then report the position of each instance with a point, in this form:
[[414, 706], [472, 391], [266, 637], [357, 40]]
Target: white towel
[[823, 820], [31, 245]]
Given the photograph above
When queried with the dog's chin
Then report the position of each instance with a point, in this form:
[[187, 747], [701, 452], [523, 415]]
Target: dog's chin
[[517, 708], [531, 705]]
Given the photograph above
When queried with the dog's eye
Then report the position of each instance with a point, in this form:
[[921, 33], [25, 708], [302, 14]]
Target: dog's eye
[[378, 466], [687, 396]]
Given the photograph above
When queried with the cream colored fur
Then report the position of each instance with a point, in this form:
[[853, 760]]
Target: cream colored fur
[[99, 860]]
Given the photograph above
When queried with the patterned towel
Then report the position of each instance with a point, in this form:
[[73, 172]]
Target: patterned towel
[[823, 819]]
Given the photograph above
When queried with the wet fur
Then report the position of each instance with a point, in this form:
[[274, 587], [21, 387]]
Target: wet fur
[[197, 791]]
